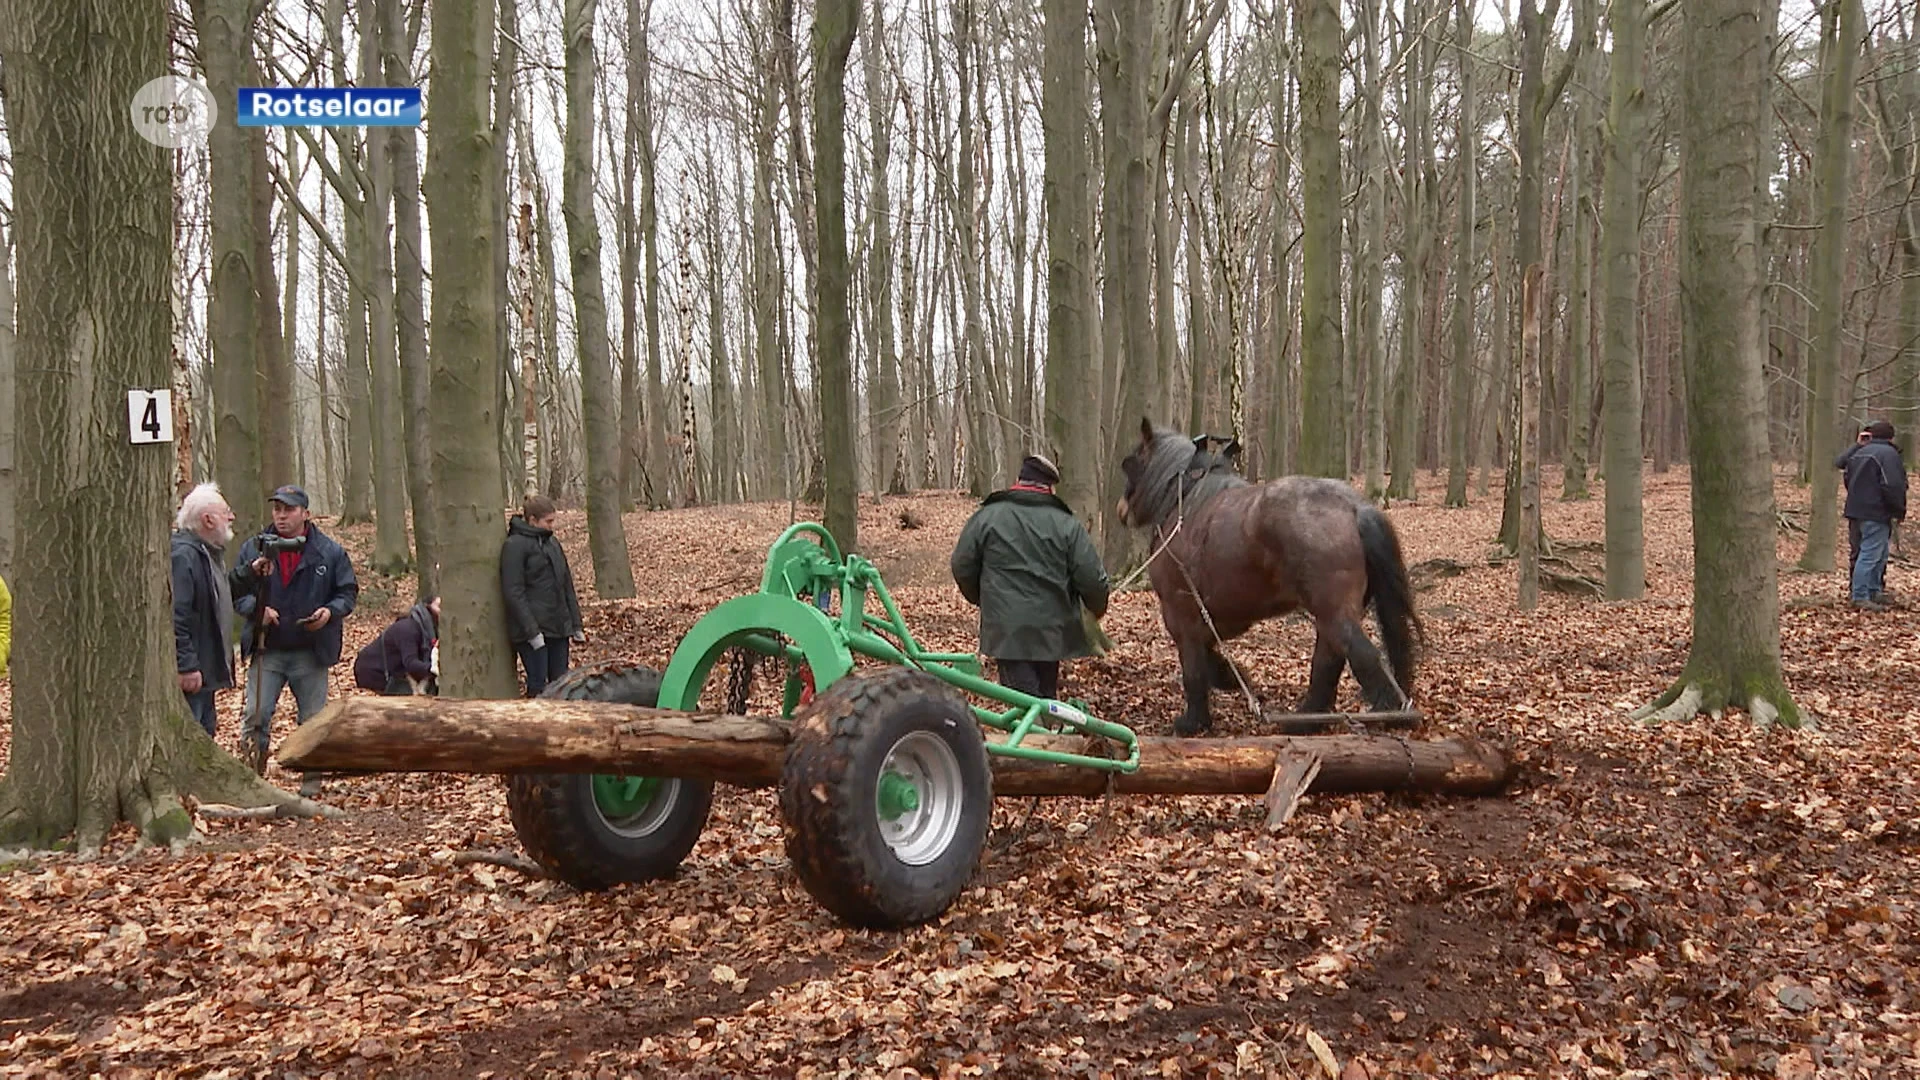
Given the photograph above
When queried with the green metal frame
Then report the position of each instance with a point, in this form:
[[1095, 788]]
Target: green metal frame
[[783, 619]]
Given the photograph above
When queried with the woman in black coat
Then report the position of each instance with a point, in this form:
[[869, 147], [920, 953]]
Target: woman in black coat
[[400, 660], [543, 612]]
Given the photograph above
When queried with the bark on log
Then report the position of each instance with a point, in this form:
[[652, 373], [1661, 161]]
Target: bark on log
[[426, 734]]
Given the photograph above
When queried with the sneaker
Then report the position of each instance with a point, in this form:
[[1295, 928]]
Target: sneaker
[[1869, 605]]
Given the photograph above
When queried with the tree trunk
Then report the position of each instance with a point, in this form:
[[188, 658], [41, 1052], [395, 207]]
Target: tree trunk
[[8, 367], [274, 357], [322, 361], [835, 23], [424, 734], [1072, 430], [289, 318], [1620, 239], [1418, 181], [775, 466], [1537, 98], [1735, 656], [720, 412], [1841, 34], [509, 430], [634, 467], [967, 217], [1466, 159], [1281, 398], [606, 535], [1370, 165], [357, 505], [100, 733], [1528, 437], [391, 555], [416, 374], [224, 31], [1580, 268], [1323, 432], [460, 187], [1124, 29], [656, 411], [883, 397]]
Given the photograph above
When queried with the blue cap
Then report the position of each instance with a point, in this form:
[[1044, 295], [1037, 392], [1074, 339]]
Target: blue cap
[[289, 494]]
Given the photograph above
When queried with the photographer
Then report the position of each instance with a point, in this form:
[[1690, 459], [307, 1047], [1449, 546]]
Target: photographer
[[1876, 484], [294, 584]]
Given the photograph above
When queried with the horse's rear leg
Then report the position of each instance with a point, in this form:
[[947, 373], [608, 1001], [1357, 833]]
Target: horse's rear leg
[[1328, 662], [1369, 670], [1196, 678]]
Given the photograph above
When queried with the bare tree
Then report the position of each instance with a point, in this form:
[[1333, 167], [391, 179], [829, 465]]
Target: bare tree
[[1323, 438], [606, 534], [1734, 661], [100, 733], [460, 188], [1467, 165], [1620, 238], [1840, 22]]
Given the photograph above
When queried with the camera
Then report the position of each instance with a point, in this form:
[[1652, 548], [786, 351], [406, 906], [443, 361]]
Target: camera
[[272, 543]]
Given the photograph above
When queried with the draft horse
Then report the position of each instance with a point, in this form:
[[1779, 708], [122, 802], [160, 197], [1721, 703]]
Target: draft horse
[[1229, 554]]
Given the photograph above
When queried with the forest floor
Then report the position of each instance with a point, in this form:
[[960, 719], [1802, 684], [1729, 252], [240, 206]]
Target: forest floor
[[1700, 899]]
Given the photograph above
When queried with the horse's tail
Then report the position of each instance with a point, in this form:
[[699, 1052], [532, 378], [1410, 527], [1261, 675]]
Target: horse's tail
[[1391, 594]]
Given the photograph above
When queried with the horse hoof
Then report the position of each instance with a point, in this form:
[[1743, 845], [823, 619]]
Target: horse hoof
[[1187, 728]]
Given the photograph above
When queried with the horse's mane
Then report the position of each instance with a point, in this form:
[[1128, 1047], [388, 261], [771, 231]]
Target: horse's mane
[[1158, 497]]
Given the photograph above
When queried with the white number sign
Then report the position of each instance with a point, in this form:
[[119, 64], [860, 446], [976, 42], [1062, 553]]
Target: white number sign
[[150, 416]]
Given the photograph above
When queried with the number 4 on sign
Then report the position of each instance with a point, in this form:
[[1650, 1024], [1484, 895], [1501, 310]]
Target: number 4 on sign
[[150, 416]]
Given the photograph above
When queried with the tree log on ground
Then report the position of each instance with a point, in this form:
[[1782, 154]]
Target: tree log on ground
[[423, 734]]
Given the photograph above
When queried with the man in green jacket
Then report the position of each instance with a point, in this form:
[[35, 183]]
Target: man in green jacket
[[1029, 565]]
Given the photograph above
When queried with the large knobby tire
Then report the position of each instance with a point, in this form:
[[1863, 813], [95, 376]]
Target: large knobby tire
[[887, 796], [594, 832]]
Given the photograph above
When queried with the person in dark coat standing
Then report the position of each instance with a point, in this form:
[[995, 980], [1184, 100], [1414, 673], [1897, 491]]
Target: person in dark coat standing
[[1876, 482], [543, 612], [295, 599], [400, 661], [202, 600], [1029, 565]]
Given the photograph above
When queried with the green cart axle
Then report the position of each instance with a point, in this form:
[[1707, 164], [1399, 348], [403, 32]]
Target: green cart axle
[[785, 619]]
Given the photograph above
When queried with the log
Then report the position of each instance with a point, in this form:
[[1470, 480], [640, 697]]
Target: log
[[428, 734]]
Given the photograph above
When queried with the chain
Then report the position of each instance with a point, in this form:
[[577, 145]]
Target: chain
[[740, 664]]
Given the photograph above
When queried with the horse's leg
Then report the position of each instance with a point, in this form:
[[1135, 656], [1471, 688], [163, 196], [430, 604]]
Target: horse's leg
[[1196, 678], [1227, 675], [1369, 670], [1328, 661]]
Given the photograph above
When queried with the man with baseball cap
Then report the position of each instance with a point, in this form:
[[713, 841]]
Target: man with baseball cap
[[1876, 483], [296, 585], [1029, 565]]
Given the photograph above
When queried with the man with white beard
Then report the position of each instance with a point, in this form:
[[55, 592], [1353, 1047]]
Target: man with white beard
[[202, 600]]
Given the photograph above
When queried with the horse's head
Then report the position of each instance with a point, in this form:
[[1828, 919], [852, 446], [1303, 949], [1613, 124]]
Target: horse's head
[[1156, 468]]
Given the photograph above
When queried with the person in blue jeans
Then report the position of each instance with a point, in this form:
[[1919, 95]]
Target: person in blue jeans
[[295, 598], [1876, 482], [543, 611]]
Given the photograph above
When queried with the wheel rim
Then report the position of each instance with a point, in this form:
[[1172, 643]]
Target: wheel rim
[[634, 805], [918, 798]]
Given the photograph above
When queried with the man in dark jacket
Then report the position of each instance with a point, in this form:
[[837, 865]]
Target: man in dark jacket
[[202, 600], [1029, 565], [295, 599], [400, 660], [1876, 482], [543, 612]]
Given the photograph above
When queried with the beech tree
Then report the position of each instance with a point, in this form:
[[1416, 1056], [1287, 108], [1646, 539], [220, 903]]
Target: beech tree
[[1734, 661], [100, 732]]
